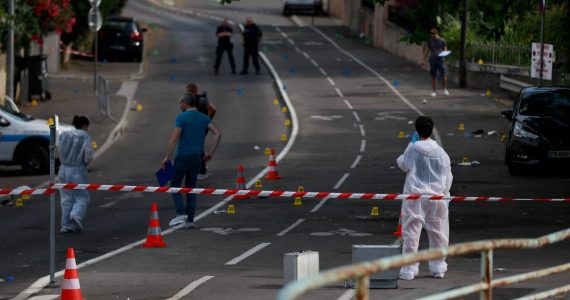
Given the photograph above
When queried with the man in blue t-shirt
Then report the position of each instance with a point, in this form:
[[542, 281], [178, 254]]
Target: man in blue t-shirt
[[189, 134]]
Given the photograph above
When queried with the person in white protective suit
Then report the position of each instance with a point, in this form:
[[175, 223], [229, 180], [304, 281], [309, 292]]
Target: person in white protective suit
[[428, 171], [75, 153]]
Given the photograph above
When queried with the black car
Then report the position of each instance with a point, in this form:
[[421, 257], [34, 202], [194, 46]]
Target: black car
[[538, 128], [302, 6], [121, 38]]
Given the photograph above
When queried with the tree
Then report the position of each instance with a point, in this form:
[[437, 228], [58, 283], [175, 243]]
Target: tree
[[36, 18], [81, 9]]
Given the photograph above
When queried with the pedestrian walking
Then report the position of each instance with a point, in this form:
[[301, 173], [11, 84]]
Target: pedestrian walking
[[224, 34], [436, 45], [187, 139], [251, 37], [203, 105], [428, 171], [75, 153]]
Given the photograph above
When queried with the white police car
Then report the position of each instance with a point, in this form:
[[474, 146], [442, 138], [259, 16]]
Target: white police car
[[24, 140]]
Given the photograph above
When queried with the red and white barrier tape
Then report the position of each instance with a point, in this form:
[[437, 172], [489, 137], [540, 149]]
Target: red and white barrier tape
[[74, 52], [253, 193]]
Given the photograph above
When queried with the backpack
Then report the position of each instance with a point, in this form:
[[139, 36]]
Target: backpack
[[201, 103]]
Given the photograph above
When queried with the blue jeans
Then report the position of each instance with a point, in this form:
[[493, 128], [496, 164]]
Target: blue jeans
[[186, 167]]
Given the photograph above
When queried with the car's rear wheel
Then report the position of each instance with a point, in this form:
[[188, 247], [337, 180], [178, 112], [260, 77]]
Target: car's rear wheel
[[34, 159]]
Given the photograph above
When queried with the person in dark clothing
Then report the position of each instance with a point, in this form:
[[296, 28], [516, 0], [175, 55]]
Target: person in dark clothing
[[251, 37], [203, 105], [224, 34]]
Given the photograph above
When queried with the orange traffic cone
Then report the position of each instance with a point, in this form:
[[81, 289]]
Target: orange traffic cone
[[240, 184], [398, 231], [272, 174], [154, 235], [70, 289]]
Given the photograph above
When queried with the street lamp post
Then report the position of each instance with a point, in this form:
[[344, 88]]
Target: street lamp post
[[10, 50]]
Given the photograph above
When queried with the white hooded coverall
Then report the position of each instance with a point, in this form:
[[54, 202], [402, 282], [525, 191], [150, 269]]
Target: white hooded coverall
[[428, 171], [75, 153]]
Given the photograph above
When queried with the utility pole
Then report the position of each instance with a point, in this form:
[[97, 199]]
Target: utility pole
[[541, 60], [462, 59], [10, 50]]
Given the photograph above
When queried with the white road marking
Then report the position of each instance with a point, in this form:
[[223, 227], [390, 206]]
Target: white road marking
[[326, 118], [45, 297], [297, 49], [356, 161], [356, 116], [282, 233], [278, 29], [341, 181], [362, 145], [323, 71], [318, 206], [247, 254], [362, 132], [339, 92], [291, 41], [108, 204], [331, 81], [284, 34], [348, 295], [189, 288], [348, 104], [297, 21], [314, 63], [394, 90], [306, 55], [312, 43]]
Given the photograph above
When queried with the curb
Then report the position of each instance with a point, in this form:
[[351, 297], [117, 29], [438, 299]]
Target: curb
[[136, 76]]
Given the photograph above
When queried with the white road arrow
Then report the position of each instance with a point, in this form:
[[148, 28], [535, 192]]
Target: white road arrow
[[203, 60]]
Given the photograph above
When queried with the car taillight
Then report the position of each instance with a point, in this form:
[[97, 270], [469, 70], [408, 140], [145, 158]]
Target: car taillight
[[136, 36]]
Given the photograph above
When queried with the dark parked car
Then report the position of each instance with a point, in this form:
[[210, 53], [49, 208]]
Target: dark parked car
[[303, 6], [121, 38], [538, 128]]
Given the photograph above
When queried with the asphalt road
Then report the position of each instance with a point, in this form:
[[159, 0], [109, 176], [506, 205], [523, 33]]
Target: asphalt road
[[349, 122]]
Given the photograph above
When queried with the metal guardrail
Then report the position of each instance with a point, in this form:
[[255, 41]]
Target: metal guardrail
[[512, 85], [361, 272], [498, 53]]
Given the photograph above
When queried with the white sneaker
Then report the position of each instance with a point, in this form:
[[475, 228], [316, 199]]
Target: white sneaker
[[203, 176], [433, 94], [178, 220], [446, 92], [406, 276], [189, 225], [438, 275]]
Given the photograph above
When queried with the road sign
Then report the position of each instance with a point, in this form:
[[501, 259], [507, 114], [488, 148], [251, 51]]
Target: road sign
[[94, 19], [548, 59]]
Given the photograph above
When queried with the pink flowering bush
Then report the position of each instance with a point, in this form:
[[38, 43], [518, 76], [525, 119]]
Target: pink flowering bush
[[51, 16]]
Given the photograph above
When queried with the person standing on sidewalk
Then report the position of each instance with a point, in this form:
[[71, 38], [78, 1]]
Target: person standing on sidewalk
[[251, 37], [203, 105], [436, 46], [187, 139], [75, 153], [428, 171], [224, 34]]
